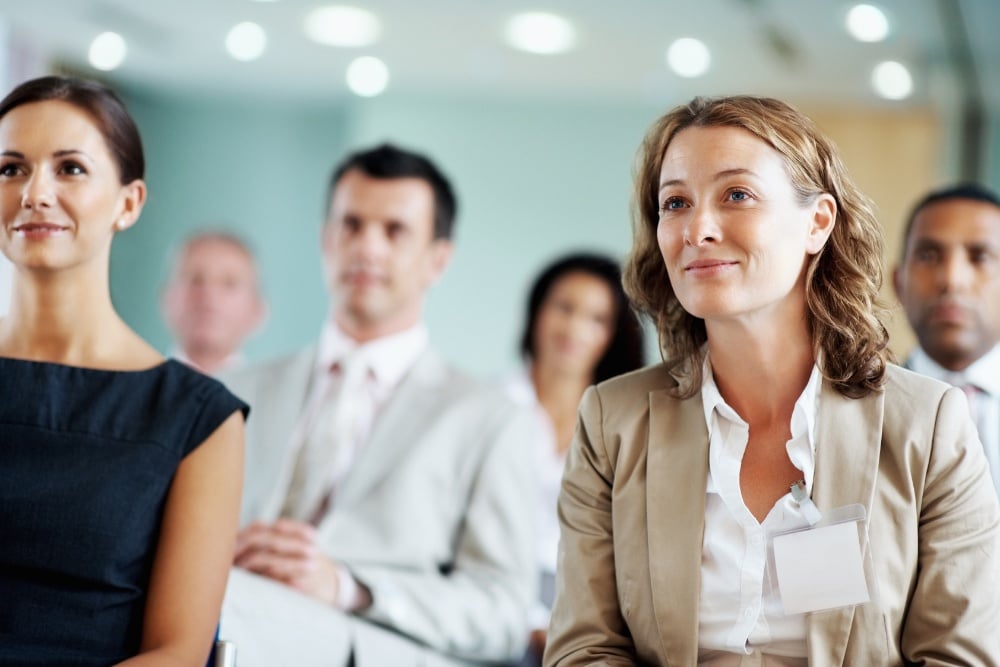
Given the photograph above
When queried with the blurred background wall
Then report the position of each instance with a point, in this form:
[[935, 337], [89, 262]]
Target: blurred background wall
[[540, 147]]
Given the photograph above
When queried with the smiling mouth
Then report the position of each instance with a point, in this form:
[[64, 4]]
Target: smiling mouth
[[708, 265], [30, 227]]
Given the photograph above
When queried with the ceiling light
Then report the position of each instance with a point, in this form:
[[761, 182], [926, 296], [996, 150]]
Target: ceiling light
[[107, 51], [867, 23], [367, 76], [246, 41], [540, 32], [688, 57], [343, 26], [892, 80]]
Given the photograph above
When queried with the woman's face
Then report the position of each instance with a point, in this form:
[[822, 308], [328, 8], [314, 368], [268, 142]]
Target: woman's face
[[574, 325], [61, 199], [732, 233]]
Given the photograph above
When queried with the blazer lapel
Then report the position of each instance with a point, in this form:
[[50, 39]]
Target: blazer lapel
[[285, 395], [848, 443], [414, 400], [676, 474]]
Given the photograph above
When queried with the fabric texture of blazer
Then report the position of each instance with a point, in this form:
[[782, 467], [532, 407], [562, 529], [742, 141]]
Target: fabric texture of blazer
[[434, 516], [632, 513]]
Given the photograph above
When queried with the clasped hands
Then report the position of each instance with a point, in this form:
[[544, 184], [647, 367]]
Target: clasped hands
[[287, 551]]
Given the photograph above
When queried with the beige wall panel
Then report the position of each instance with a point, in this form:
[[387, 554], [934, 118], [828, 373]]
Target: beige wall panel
[[895, 157]]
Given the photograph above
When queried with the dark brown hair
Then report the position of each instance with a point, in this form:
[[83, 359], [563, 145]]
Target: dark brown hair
[[105, 107]]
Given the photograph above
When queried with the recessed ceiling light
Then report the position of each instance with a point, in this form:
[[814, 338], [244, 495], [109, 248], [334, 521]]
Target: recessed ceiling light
[[246, 41], [892, 80], [867, 23], [107, 51], [367, 76], [339, 25], [540, 32], [689, 57]]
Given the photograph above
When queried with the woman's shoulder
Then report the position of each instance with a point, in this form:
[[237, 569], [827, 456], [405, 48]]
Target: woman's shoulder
[[904, 385], [640, 381]]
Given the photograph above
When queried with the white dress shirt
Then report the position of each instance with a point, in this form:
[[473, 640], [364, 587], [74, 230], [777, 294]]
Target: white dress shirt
[[984, 402], [740, 618], [549, 465]]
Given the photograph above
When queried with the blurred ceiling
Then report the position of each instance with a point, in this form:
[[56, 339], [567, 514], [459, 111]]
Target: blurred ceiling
[[790, 48]]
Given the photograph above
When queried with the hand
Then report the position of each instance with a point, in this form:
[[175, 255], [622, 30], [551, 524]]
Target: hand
[[287, 551]]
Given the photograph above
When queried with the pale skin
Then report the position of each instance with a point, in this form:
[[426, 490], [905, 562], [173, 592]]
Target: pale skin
[[212, 302], [736, 241], [56, 170], [380, 257]]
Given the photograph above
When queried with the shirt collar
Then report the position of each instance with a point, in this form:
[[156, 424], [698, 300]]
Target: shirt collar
[[803, 426], [984, 372], [389, 357]]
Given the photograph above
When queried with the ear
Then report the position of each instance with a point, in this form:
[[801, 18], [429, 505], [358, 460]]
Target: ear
[[897, 283], [824, 217], [441, 252], [261, 313], [133, 199]]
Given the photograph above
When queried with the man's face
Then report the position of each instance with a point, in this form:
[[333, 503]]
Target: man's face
[[949, 282], [212, 303], [379, 252]]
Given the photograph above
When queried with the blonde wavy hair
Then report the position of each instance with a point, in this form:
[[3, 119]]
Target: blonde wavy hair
[[849, 339]]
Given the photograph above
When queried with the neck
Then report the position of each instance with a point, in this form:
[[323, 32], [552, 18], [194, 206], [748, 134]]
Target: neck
[[363, 330], [207, 359], [747, 360], [64, 317], [559, 390]]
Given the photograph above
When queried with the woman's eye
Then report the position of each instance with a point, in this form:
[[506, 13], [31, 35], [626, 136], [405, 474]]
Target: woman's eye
[[738, 195], [672, 204], [8, 170], [72, 169]]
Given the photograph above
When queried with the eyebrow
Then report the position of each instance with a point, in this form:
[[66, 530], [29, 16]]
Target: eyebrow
[[719, 176], [60, 153]]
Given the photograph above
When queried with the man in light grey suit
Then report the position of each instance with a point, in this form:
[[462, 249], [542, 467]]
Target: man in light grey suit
[[387, 504]]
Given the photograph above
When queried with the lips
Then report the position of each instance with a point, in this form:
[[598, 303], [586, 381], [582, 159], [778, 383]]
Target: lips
[[708, 267], [948, 314], [39, 227]]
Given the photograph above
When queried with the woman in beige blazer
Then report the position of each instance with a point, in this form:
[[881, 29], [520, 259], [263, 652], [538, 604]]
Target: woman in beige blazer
[[760, 263]]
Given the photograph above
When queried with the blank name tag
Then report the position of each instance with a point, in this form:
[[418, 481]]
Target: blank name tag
[[820, 568]]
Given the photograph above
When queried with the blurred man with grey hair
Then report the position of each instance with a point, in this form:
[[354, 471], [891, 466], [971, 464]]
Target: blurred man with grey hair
[[212, 302]]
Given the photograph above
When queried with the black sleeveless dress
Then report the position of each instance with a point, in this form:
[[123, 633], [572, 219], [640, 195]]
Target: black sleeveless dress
[[86, 460]]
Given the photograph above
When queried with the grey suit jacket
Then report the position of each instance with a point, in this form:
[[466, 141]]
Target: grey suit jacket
[[435, 516], [632, 510]]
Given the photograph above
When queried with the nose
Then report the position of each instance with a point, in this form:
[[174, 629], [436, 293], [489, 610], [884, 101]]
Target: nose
[[956, 273], [38, 191], [702, 227], [369, 241]]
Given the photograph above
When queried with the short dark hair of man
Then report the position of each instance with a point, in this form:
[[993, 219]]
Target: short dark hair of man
[[388, 161], [966, 191]]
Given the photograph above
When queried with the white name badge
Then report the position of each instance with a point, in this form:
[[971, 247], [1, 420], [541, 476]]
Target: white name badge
[[824, 566]]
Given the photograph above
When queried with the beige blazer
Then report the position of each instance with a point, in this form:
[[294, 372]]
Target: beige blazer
[[632, 511], [435, 513]]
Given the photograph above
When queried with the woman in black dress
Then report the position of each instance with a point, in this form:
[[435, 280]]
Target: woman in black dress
[[120, 472]]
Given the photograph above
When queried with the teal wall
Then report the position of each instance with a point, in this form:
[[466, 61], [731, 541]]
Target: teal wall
[[253, 167], [534, 180]]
